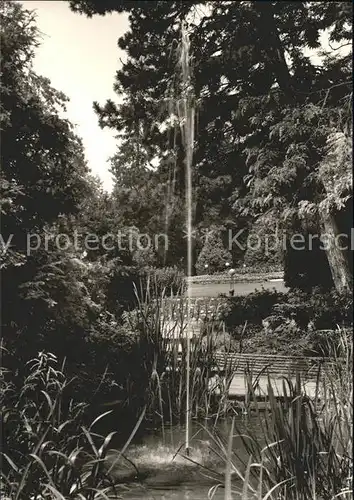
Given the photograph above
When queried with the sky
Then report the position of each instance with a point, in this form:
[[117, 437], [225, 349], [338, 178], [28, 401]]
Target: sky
[[80, 56]]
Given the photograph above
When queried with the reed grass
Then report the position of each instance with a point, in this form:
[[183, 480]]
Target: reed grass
[[306, 446], [48, 452], [305, 450], [163, 325]]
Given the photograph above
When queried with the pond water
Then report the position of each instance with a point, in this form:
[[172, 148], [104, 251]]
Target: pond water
[[164, 471]]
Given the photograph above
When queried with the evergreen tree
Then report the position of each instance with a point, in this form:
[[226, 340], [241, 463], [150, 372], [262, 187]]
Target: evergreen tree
[[265, 109], [213, 257]]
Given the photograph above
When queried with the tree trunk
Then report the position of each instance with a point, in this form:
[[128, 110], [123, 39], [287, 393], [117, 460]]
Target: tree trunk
[[275, 49], [337, 258]]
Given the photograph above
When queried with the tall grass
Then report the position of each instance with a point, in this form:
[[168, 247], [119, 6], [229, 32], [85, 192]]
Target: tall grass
[[48, 452], [164, 325], [305, 452]]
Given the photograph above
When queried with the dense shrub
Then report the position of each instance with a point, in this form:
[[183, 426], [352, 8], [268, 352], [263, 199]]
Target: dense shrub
[[287, 340], [126, 281], [120, 290], [290, 340], [213, 255], [47, 451], [87, 328], [308, 268], [322, 342], [260, 268], [322, 309], [294, 324], [264, 250], [144, 257], [252, 308]]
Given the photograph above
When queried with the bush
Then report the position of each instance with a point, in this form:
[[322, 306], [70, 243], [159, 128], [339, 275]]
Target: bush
[[289, 340], [120, 294], [285, 340], [127, 280], [304, 450], [325, 310], [252, 308], [144, 257], [260, 268], [306, 269], [213, 255], [320, 342], [266, 252]]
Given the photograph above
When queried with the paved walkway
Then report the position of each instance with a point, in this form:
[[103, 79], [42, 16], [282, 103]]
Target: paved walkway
[[238, 387]]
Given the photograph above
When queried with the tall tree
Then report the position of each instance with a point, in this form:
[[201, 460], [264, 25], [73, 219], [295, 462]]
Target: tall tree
[[43, 169], [265, 108], [43, 178], [150, 90]]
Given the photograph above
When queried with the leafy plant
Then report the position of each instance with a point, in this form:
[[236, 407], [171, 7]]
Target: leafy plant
[[48, 452], [213, 256], [169, 280], [325, 310], [252, 308], [161, 326]]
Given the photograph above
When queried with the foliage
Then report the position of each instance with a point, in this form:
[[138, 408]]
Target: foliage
[[213, 256], [144, 121], [264, 245], [44, 178], [46, 448], [305, 448], [307, 268], [144, 257], [267, 144], [70, 295], [286, 340], [126, 282], [321, 310], [296, 310], [161, 329], [252, 308], [320, 342], [142, 199], [43, 168], [295, 324], [169, 280]]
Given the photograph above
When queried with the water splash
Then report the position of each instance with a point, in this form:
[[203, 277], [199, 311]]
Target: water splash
[[159, 464], [164, 455]]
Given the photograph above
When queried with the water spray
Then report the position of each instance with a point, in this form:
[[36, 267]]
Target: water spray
[[186, 115]]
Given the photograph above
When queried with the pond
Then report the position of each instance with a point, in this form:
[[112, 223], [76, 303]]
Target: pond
[[165, 474]]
